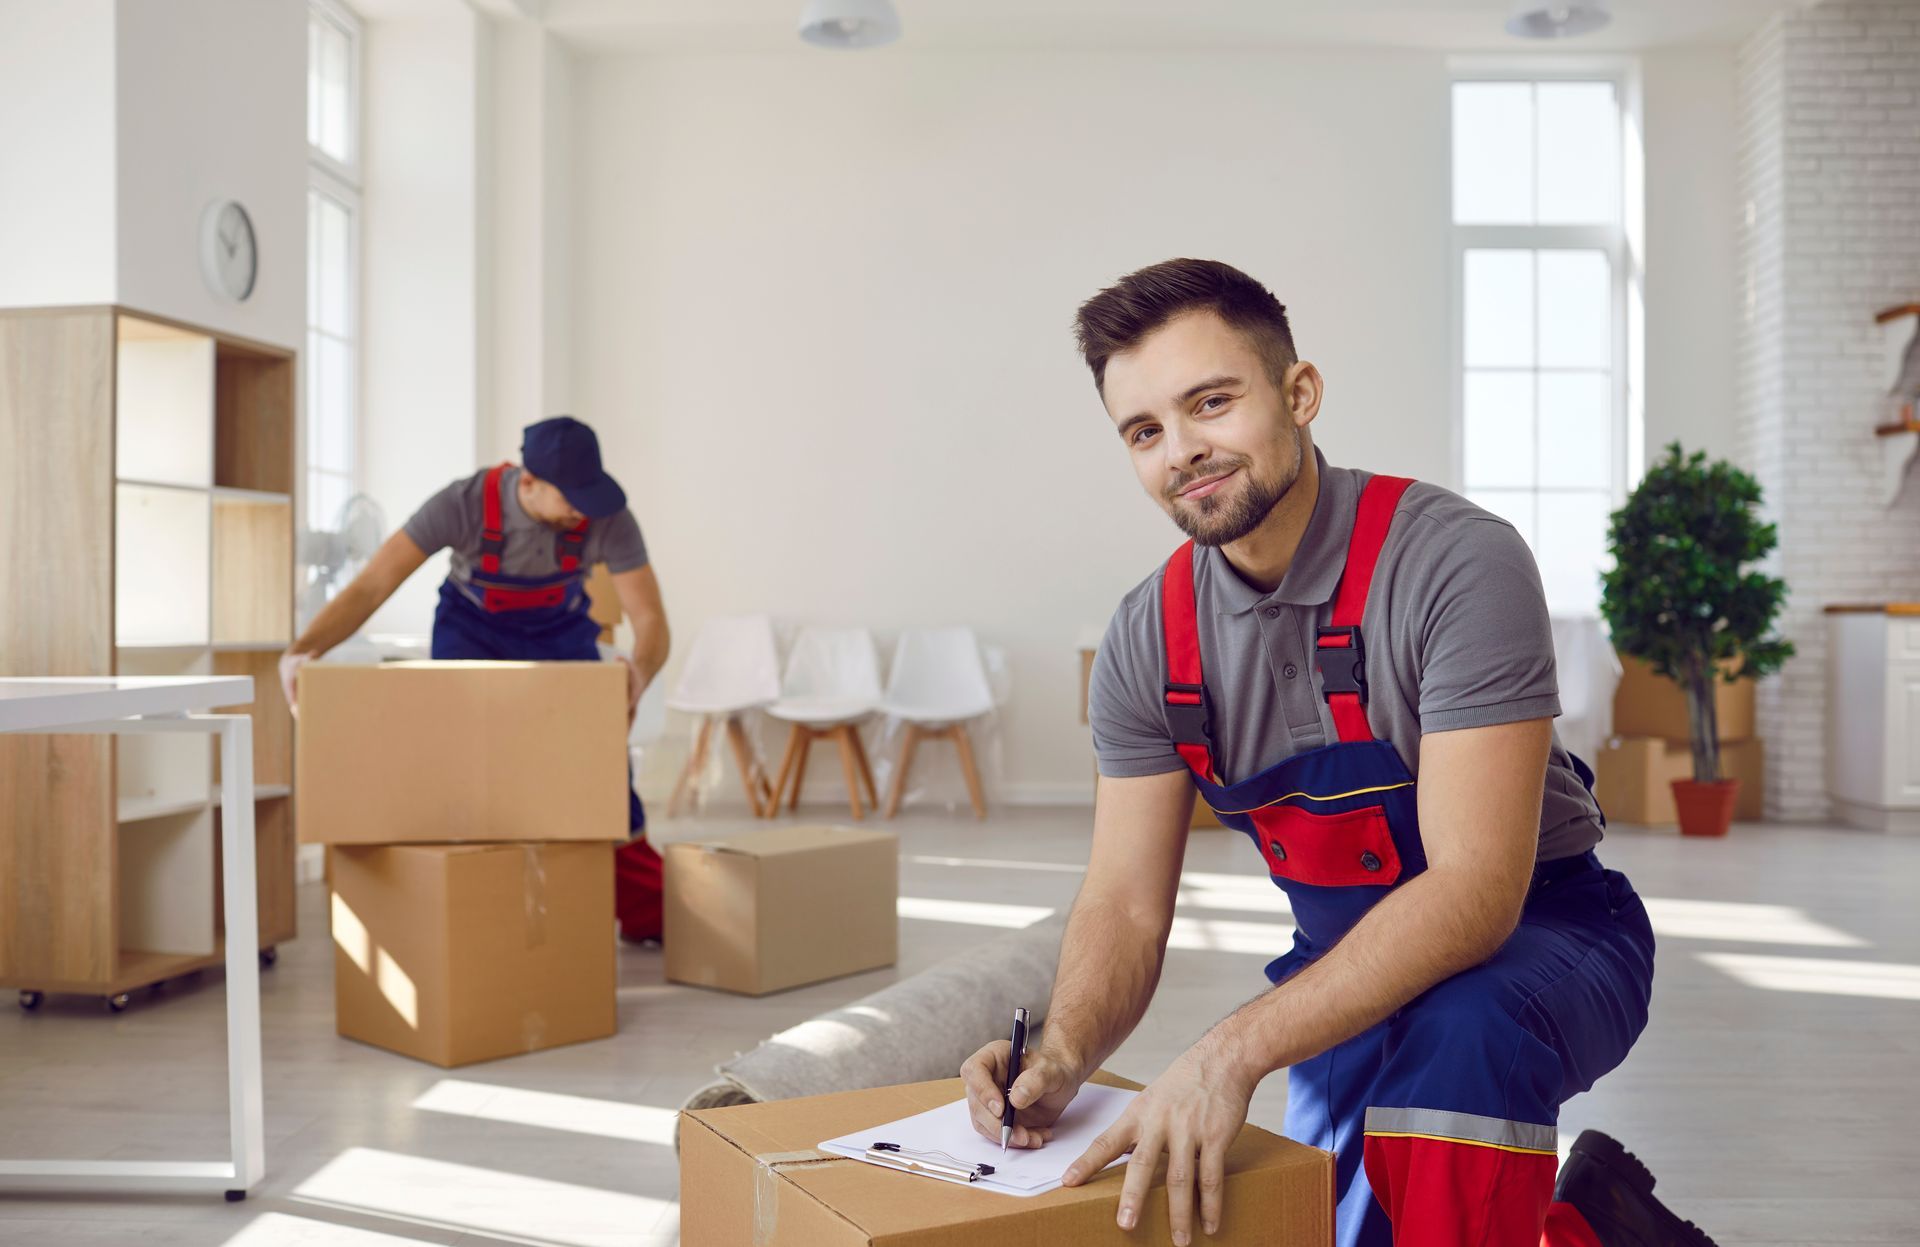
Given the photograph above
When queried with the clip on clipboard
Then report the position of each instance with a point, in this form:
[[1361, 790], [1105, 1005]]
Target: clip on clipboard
[[937, 1164]]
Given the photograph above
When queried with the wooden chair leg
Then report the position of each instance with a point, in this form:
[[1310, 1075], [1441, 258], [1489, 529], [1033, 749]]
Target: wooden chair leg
[[899, 784], [866, 767], [743, 758], [800, 768], [794, 738], [849, 768], [696, 758], [964, 744]]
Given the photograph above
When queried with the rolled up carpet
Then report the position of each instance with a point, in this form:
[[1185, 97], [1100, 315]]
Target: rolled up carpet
[[917, 1029]]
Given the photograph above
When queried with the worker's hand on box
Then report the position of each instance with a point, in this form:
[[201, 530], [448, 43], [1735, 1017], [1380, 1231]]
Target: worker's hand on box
[[1191, 1115], [290, 664], [635, 687], [1045, 1088]]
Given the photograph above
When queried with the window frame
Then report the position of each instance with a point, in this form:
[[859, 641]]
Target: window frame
[[338, 180], [1614, 240], [347, 171]]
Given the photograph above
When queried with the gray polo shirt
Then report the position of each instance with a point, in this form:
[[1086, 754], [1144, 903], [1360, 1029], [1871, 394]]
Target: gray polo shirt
[[1456, 633], [452, 518]]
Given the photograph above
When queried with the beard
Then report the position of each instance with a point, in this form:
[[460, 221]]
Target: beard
[[1218, 521]]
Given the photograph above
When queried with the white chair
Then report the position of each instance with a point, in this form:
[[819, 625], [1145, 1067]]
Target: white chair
[[832, 685], [938, 684], [732, 669]]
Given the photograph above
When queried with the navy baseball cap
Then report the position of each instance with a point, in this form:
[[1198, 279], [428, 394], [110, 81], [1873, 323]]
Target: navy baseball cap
[[564, 451]]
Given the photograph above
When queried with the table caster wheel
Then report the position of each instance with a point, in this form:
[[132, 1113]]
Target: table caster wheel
[[268, 956], [30, 1000], [119, 1003], [234, 1197]]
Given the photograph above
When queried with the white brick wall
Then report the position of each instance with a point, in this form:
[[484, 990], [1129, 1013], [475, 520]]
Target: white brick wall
[[1829, 233]]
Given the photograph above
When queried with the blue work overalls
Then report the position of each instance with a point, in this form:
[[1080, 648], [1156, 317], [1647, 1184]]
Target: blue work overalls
[[521, 618], [1443, 1116]]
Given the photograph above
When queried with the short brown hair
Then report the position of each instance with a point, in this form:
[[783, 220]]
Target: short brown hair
[[1118, 317]]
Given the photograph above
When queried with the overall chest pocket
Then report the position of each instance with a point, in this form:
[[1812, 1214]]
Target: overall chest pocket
[[1353, 848]]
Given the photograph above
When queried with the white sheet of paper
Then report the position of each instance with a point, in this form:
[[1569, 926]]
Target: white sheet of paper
[[1023, 1171]]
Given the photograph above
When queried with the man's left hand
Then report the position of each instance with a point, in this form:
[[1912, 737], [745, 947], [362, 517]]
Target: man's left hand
[[1191, 1114]]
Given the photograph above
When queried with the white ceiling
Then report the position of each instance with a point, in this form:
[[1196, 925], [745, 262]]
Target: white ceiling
[[1452, 25]]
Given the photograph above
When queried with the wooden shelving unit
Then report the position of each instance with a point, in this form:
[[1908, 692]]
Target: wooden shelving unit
[[159, 461]]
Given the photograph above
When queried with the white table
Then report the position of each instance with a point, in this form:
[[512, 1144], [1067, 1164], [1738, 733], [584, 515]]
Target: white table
[[126, 704]]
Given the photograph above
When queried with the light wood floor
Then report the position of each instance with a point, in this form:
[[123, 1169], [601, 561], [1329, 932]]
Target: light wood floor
[[1775, 1094]]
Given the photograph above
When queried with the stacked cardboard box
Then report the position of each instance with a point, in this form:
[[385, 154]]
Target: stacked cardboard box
[[1651, 747], [469, 811]]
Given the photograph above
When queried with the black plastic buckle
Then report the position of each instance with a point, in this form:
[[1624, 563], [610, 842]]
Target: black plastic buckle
[[1190, 723], [1342, 668]]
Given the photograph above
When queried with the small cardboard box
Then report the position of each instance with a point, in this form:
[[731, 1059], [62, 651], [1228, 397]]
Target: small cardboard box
[[768, 910], [427, 752], [461, 953], [753, 1174], [1633, 777], [1646, 704]]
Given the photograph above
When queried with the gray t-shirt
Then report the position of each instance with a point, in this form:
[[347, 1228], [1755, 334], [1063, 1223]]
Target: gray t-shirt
[[452, 519], [1456, 631]]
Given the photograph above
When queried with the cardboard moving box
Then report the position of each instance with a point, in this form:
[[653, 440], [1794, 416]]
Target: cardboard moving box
[[752, 1176], [462, 953], [1646, 704], [1633, 777], [413, 752], [768, 910]]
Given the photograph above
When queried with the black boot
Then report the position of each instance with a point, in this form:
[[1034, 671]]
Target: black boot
[[1609, 1186]]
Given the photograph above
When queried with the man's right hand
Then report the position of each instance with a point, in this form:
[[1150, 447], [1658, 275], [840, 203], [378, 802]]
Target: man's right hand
[[1046, 1086], [290, 664]]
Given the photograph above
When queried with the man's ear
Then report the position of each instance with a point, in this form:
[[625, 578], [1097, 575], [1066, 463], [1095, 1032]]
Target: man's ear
[[1302, 387]]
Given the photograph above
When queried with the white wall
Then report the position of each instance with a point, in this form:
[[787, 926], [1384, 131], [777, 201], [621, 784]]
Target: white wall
[[420, 236], [527, 282], [825, 304], [56, 152], [122, 122], [212, 106], [1691, 260], [832, 295]]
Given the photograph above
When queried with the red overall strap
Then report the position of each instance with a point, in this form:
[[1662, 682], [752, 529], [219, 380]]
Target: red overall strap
[[1343, 675], [493, 537], [1187, 707], [567, 548]]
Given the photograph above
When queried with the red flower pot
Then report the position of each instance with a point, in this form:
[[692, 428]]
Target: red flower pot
[[1705, 809]]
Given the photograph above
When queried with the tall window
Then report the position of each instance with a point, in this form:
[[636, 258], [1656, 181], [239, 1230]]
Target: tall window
[[1541, 261], [333, 215]]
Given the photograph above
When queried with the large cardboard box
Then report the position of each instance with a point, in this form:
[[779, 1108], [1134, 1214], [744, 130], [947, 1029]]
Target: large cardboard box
[[462, 953], [768, 910], [1633, 777], [1645, 704], [421, 752], [753, 1174]]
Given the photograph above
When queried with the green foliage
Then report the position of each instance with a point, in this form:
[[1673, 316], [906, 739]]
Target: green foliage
[[1680, 595]]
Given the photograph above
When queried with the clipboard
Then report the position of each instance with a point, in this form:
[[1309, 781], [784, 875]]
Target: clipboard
[[942, 1144]]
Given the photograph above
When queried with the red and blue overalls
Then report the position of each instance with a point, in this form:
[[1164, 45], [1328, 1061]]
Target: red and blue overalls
[[542, 619], [1443, 1116]]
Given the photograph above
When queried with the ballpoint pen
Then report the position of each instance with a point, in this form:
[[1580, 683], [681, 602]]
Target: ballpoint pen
[[1013, 1076]]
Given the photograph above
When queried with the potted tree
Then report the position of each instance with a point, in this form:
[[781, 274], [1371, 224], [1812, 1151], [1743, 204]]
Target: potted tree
[[1681, 597]]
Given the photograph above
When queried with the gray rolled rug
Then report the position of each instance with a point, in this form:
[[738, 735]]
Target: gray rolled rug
[[917, 1029]]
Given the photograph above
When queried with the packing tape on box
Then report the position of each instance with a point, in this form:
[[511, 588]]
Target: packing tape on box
[[766, 1187], [533, 894]]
